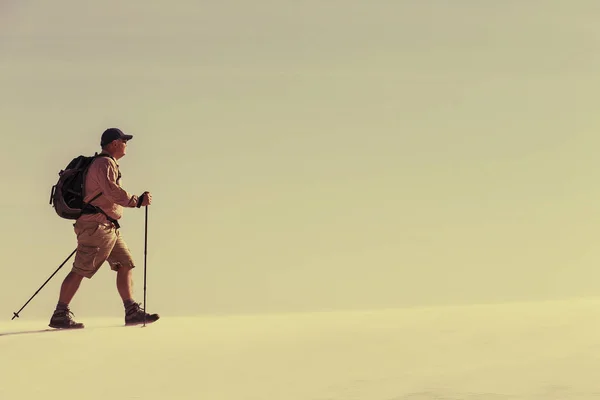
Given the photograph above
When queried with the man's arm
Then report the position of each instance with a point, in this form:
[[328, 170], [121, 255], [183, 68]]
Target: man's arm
[[107, 179]]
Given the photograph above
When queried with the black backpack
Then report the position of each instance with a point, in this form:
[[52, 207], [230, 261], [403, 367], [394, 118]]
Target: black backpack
[[67, 195]]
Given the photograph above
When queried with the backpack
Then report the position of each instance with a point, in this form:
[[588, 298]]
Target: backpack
[[67, 195]]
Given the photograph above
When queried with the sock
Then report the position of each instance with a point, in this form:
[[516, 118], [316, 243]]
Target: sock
[[61, 307], [128, 303]]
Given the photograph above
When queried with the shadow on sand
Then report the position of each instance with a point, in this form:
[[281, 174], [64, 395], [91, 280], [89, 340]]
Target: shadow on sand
[[24, 332], [32, 331]]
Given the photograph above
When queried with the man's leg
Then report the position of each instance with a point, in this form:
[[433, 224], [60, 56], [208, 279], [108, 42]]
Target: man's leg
[[121, 261], [93, 246], [125, 283], [69, 287], [61, 317], [125, 289]]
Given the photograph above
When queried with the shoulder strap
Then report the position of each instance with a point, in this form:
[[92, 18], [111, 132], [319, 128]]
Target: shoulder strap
[[104, 155]]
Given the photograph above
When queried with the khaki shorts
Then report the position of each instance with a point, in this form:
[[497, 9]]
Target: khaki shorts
[[97, 243]]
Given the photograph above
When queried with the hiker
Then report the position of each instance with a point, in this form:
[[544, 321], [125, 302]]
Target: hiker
[[98, 235]]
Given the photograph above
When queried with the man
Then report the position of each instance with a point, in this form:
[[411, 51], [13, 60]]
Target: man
[[98, 235]]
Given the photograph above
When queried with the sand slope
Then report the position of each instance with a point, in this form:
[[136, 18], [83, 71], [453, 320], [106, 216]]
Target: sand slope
[[512, 351]]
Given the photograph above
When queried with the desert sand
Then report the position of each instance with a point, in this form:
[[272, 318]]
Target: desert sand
[[543, 350]]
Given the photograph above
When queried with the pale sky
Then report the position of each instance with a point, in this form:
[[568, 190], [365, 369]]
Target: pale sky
[[309, 155]]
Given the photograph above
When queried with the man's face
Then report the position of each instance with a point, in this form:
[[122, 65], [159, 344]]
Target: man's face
[[119, 148]]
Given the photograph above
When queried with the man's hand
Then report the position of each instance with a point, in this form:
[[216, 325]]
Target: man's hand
[[147, 199], [144, 200]]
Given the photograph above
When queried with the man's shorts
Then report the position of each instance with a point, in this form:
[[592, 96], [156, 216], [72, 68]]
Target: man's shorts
[[97, 243]]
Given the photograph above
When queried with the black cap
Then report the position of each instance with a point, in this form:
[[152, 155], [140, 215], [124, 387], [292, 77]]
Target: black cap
[[113, 134]]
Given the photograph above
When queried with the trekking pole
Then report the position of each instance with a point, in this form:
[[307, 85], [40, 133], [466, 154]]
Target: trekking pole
[[16, 314], [145, 253]]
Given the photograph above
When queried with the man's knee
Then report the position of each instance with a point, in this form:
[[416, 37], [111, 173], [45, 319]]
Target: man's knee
[[122, 267], [120, 257], [79, 274], [76, 274]]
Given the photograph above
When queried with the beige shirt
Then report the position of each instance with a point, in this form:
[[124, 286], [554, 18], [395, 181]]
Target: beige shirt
[[103, 176]]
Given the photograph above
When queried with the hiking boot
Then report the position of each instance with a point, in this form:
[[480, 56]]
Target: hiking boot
[[134, 315], [62, 319]]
